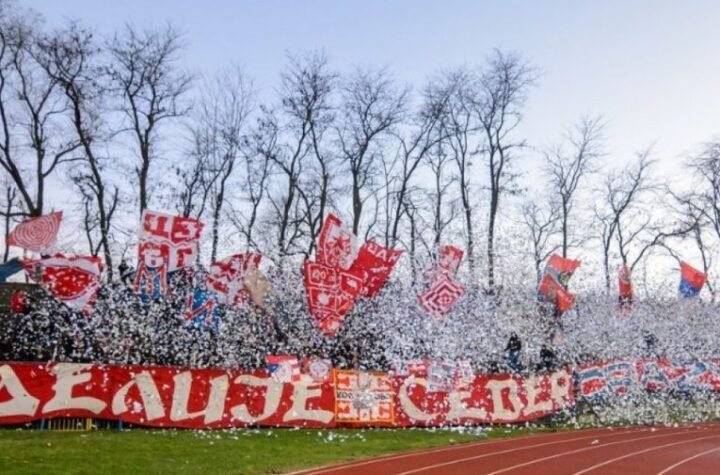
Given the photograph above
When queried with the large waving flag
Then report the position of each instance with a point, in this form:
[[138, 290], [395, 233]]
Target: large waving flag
[[553, 286], [336, 244], [37, 234], [550, 290], [561, 268], [691, 280], [227, 276], [331, 294], [177, 237], [375, 263], [74, 281]]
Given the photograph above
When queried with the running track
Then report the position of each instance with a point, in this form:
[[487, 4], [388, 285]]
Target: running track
[[691, 449]]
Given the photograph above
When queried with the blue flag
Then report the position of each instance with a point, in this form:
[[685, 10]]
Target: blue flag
[[11, 267]]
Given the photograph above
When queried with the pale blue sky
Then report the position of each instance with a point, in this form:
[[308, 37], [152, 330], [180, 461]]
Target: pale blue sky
[[651, 68]]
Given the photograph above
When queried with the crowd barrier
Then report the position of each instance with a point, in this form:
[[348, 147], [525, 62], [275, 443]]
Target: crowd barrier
[[213, 398]]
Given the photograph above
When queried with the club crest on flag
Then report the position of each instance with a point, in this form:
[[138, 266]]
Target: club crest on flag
[[318, 369], [336, 245]]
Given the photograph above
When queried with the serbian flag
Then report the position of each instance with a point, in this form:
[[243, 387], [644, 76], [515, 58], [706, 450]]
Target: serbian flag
[[375, 263], [283, 368], [74, 281], [691, 280], [226, 277], [176, 236], [336, 244], [331, 294], [561, 268], [550, 290], [202, 309], [37, 234]]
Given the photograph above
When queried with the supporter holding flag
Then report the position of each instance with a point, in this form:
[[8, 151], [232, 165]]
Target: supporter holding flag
[[691, 280], [625, 289]]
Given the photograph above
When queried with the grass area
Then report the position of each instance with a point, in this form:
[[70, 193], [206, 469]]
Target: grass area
[[241, 451]]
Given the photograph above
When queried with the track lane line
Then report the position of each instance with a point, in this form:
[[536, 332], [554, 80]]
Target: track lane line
[[502, 452], [639, 452], [585, 449], [674, 466], [387, 458]]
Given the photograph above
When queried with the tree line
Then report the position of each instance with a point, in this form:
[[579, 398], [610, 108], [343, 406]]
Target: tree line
[[114, 124]]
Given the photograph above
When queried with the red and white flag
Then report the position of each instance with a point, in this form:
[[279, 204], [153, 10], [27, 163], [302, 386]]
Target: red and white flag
[[331, 294], [74, 281], [37, 234], [226, 277], [336, 244], [283, 368], [375, 263], [441, 296], [443, 291], [449, 259], [551, 290], [177, 237]]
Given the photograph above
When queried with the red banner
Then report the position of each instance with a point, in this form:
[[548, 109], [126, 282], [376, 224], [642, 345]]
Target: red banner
[[213, 398]]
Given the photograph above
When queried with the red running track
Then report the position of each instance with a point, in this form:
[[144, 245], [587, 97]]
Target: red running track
[[692, 449]]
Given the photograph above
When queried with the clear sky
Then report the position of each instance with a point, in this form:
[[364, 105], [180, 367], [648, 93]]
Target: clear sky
[[651, 68]]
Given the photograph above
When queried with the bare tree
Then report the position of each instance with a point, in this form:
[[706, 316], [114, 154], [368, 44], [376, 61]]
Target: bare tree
[[8, 212], [705, 200], [462, 126], [567, 166], [542, 222], [625, 218], [70, 58], [503, 87], [225, 105], [443, 206], [32, 110], [251, 191], [371, 106], [306, 89], [150, 89], [424, 135]]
